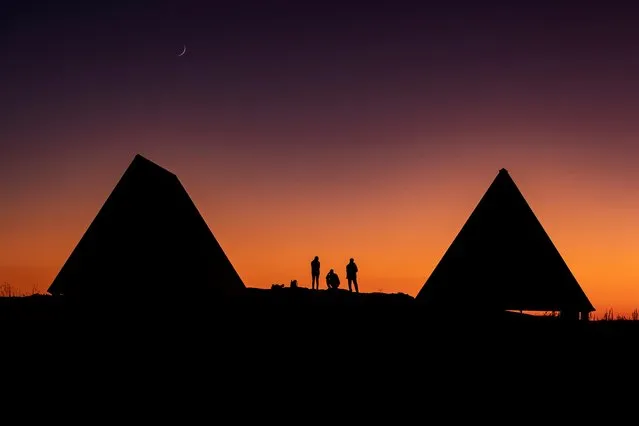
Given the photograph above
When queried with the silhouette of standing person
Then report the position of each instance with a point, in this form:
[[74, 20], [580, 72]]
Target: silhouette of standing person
[[332, 280], [315, 273], [351, 275]]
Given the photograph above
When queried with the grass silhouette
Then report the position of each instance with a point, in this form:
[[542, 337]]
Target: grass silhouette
[[7, 290]]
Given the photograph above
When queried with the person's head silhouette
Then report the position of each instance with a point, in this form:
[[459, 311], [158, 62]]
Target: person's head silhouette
[[352, 260], [330, 272], [316, 257]]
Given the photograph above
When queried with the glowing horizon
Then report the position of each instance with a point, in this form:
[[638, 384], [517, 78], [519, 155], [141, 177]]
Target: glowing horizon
[[272, 270]]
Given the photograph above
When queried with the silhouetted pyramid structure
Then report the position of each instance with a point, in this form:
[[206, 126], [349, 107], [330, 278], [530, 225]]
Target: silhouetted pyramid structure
[[148, 239], [503, 259]]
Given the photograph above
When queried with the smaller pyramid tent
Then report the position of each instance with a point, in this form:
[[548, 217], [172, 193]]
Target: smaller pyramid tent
[[503, 259], [148, 239]]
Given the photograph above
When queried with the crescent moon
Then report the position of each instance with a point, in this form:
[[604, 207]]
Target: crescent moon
[[183, 51]]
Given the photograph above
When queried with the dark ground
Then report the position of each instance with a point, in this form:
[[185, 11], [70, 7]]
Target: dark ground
[[319, 348], [282, 321]]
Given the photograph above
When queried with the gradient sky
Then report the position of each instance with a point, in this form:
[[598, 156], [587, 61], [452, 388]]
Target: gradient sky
[[338, 129]]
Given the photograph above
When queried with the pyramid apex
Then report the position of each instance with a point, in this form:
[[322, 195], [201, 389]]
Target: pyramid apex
[[140, 161], [140, 157], [503, 170]]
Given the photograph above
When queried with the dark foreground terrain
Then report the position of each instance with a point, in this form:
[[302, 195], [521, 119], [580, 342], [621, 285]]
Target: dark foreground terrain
[[295, 348], [284, 321]]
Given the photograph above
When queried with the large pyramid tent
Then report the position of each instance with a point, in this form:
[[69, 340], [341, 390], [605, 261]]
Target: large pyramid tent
[[503, 259], [147, 239]]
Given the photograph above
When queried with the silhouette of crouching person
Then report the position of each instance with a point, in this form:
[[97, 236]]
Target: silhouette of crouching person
[[332, 280]]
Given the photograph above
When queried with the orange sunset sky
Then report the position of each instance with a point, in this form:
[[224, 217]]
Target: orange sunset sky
[[331, 130]]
